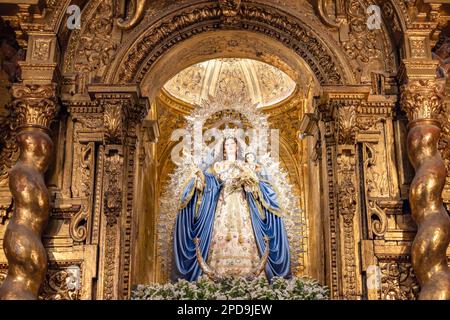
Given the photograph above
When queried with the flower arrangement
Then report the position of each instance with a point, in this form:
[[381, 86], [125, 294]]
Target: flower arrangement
[[233, 288]]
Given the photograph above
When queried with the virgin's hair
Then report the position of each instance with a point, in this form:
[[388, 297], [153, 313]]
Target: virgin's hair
[[223, 146]]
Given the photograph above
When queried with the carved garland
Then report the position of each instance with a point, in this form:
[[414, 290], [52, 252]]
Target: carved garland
[[347, 208]]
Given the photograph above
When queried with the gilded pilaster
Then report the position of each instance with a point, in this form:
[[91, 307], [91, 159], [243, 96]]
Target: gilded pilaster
[[123, 110], [348, 194], [339, 111]]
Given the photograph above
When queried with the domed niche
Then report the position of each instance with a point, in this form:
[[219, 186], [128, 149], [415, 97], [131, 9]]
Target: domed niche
[[264, 84]]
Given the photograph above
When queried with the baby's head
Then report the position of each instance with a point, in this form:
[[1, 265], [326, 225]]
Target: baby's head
[[250, 157]]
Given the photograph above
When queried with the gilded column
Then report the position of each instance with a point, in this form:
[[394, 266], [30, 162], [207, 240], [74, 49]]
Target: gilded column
[[422, 99], [34, 107]]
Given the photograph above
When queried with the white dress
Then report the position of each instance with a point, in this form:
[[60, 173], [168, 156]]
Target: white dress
[[233, 249]]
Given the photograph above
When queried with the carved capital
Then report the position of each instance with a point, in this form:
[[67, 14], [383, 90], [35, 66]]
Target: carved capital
[[34, 105], [123, 109], [423, 99]]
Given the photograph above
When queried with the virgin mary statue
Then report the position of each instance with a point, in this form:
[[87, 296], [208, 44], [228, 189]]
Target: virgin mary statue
[[231, 208]]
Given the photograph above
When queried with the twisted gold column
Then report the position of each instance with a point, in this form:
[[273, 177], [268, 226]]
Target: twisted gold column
[[422, 100], [34, 108]]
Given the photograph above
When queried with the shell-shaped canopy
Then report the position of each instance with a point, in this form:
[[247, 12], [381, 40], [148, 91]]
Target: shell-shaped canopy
[[262, 83]]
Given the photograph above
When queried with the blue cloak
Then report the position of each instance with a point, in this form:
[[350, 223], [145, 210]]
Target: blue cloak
[[196, 219]]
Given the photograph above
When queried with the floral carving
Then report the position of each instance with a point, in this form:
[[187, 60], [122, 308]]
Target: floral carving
[[9, 150], [113, 193], [444, 148], [96, 47], [41, 51], [230, 8], [398, 281], [365, 46], [378, 219], [61, 284], [82, 187], [375, 171], [347, 209], [261, 82]]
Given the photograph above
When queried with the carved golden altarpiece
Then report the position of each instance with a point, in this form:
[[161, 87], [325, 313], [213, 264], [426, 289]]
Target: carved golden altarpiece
[[85, 137]]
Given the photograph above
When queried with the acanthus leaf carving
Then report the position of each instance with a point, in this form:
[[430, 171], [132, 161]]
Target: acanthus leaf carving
[[34, 105], [444, 143], [423, 99], [134, 19], [114, 118], [376, 179], [346, 124], [378, 219], [9, 151]]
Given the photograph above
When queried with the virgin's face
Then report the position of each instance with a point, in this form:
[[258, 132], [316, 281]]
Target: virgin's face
[[230, 147]]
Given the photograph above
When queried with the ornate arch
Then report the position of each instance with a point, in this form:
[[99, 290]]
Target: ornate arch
[[130, 61], [135, 59]]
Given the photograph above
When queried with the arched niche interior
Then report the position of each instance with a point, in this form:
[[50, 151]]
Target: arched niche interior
[[169, 112]]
